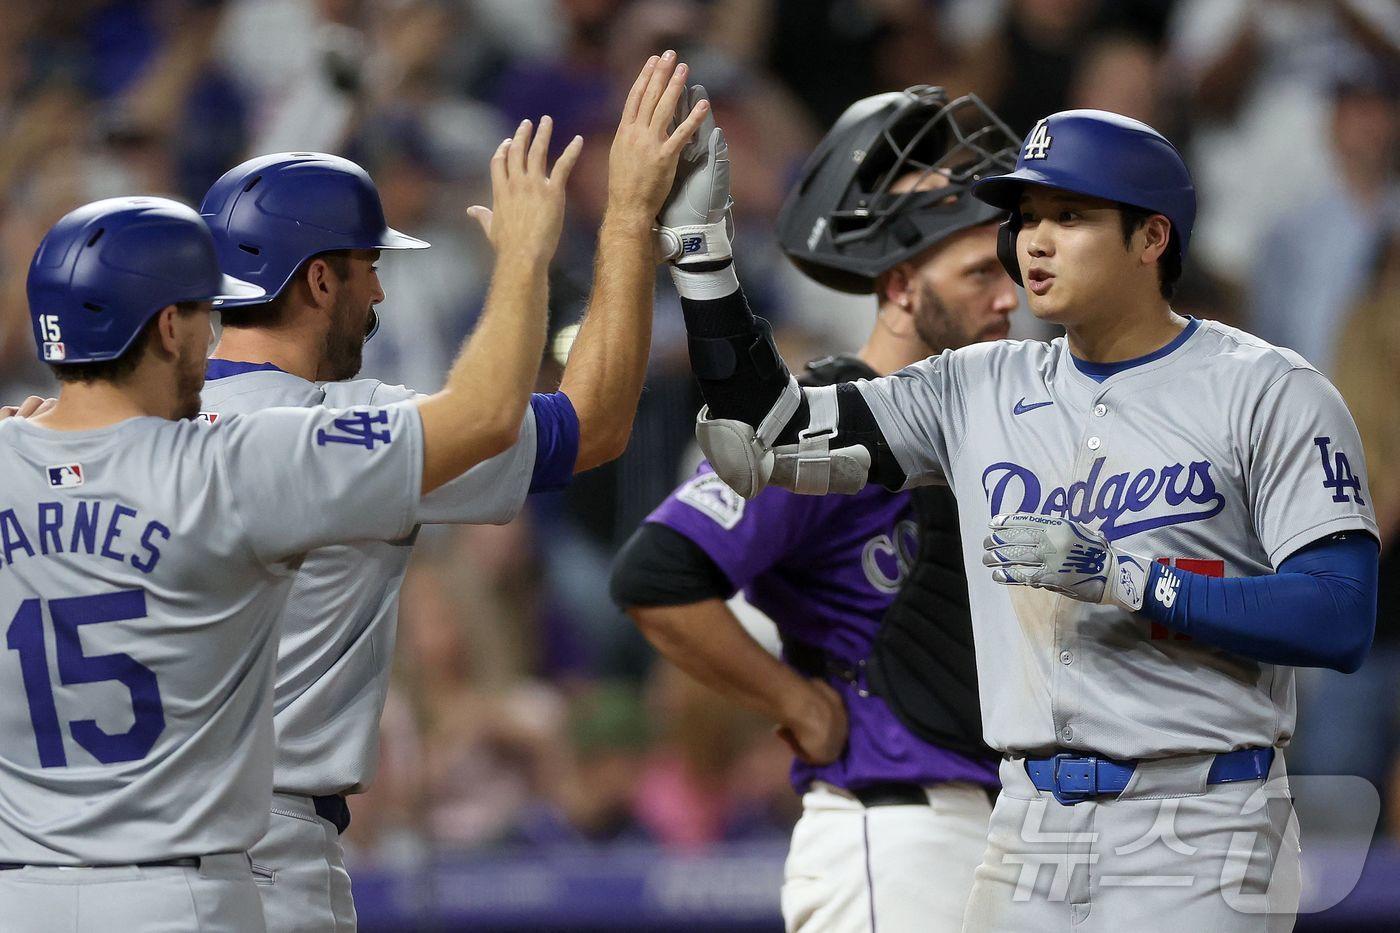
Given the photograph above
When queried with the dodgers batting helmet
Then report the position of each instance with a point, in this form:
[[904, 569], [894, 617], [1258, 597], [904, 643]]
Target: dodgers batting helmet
[[272, 213], [843, 225], [1100, 154], [105, 269]]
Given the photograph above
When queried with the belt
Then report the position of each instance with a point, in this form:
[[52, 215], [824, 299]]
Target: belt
[[189, 862], [899, 794], [891, 794], [1073, 777], [333, 809]]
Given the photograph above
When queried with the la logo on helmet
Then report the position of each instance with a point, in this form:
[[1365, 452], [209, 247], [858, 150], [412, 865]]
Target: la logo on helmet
[[1039, 142]]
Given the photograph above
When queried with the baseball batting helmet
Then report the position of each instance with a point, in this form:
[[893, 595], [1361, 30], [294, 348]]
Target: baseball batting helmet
[[1100, 154], [105, 269], [843, 226], [272, 213]]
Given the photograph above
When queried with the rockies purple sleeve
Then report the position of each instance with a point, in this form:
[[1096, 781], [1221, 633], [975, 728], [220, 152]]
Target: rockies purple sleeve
[[1318, 610]]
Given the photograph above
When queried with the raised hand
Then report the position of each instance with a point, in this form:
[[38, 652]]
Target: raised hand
[[694, 223], [651, 136], [526, 215]]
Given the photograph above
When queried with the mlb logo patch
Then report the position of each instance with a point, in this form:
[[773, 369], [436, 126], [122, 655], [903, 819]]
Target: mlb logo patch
[[66, 474], [210, 416], [54, 352], [708, 495]]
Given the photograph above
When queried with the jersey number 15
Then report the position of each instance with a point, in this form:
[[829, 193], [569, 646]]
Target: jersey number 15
[[26, 635]]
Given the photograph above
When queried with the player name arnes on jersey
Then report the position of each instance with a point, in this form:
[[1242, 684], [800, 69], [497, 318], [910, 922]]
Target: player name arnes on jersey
[[109, 529]]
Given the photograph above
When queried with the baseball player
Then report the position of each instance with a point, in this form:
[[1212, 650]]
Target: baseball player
[[146, 559], [1178, 516], [878, 697], [306, 227]]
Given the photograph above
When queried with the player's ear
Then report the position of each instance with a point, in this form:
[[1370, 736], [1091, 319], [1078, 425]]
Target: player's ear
[[320, 282], [167, 332], [1156, 235], [894, 287]]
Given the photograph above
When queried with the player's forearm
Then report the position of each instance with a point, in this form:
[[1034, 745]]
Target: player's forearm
[[1319, 610], [479, 411], [742, 376], [607, 365], [706, 640]]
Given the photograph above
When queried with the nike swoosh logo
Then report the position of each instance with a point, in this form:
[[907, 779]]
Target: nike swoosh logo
[[1021, 406]]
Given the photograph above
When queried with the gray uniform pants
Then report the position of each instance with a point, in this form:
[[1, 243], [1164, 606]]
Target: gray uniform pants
[[216, 897], [300, 871], [1170, 852]]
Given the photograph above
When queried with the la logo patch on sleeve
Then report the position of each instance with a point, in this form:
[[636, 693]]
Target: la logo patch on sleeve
[[66, 474], [707, 493]]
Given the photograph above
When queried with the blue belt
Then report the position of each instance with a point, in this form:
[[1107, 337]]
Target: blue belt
[[1073, 777]]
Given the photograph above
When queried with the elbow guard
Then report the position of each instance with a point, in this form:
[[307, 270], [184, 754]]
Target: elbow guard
[[747, 460]]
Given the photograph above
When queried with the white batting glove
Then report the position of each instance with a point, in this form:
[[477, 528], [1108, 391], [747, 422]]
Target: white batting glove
[[1063, 557], [694, 225]]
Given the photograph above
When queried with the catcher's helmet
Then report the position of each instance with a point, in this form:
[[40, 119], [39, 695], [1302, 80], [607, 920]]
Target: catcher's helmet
[[105, 269], [272, 213], [843, 226], [1100, 154]]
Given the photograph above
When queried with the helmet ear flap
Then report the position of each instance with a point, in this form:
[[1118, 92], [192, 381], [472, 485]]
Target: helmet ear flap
[[1006, 249]]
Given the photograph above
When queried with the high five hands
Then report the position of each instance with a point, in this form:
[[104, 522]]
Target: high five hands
[[658, 121]]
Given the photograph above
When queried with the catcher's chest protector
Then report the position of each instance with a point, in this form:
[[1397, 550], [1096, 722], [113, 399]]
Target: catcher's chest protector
[[922, 662]]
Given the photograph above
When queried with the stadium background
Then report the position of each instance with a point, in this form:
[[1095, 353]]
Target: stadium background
[[541, 770]]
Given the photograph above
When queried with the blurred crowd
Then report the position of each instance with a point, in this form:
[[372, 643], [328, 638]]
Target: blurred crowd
[[526, 709]]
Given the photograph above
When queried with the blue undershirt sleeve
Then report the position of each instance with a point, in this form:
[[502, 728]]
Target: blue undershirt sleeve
[[556, 441], [1318, 610]]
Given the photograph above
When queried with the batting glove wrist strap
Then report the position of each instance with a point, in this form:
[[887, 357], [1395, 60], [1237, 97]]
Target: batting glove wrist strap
[[1064, 557], [694, 243]]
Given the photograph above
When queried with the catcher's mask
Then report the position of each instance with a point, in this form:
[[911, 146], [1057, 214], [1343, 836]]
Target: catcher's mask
[[843, 225]]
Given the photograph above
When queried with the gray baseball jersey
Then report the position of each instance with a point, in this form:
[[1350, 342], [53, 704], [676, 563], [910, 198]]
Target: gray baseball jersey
[[1220, 453], [145, 566], [339, 625]]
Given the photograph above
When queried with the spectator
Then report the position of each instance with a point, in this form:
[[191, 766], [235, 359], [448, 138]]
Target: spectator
[[1257, 74], [1350, 724], [1315, 261]]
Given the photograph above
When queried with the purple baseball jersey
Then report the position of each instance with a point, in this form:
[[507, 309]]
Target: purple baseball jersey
[[824, 569]]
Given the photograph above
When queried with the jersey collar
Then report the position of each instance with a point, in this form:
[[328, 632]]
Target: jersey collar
[[1101, 371], [220, 369]]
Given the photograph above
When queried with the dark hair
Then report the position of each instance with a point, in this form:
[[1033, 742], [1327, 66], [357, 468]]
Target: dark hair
[[1169, 265], [269, 313], [123, 366]]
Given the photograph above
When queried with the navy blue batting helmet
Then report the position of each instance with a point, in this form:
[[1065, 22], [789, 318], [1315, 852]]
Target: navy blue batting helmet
[[272, 213], [105, 269], [1100, 154]]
